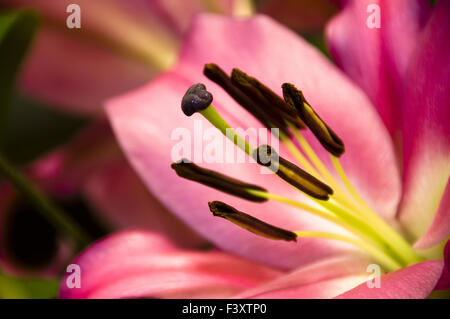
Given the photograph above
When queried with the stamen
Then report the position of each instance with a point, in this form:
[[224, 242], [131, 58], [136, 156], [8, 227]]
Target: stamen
[[250, 223], [266, 98], [320, 129], [291, 173], [196, 99], [217, 75], [189, 170]]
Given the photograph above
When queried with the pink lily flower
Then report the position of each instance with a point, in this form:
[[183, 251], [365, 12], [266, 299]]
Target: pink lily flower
[[411, 198]]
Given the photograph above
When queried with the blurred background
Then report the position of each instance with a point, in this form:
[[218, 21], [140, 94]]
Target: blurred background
[[58, 155]]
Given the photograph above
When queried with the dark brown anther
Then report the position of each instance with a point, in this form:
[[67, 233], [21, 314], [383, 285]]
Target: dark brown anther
[[217, 75], [320, 129], [250, 223], [189, 170], [266, 97], [294, 175]]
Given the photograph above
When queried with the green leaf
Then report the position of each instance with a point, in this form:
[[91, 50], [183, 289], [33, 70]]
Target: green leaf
[[33, 129], [12, 287], [17, 29]]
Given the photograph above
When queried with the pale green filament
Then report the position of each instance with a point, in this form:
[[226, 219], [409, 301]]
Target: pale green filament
[[387, 262], [393, 236], [347, 183], [339, 194], [215, 119], [307, 208], [299, 156], [337, 216], [243, 8]]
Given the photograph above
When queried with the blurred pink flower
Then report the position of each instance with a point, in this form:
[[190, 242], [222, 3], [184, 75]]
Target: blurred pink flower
[[103, 178], [414, 198], [121, 45]]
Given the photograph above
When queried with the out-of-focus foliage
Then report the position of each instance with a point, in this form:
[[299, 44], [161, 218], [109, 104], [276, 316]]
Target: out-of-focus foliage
[[27, 288], [17, 29], [32, 129], [27, 129]]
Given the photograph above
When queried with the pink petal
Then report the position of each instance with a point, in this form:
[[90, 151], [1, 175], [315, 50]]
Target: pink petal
[[48, 76], [414, 282], [145, 134], [440, 226], [143, 264], [325, 279], [376, 58], [426, 134], [444, 281]]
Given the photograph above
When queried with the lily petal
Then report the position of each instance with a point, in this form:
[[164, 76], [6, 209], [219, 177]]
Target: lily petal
[[143, 264], [426, 134], [444, 281], [414, 282], [439, 228], [377, 58], [324, 279], [144, 122]]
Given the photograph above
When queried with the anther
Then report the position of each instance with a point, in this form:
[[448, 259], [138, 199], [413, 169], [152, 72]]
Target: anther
[[266, 97], [217, 75], [197, 98], [294, 175], [250, 223], [226, 184], [329, 140]]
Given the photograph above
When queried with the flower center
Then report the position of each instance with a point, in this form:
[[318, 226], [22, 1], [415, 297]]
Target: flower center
[[336, 199]]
